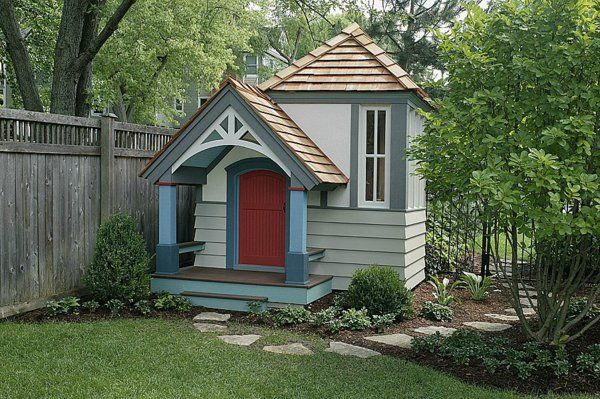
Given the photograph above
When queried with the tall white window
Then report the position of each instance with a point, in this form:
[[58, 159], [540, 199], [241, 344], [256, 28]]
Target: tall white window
[[251, 64], [374, 160]]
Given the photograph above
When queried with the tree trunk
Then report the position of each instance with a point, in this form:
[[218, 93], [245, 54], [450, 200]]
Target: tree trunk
[[89, 33], [19, 57], [66, 78]]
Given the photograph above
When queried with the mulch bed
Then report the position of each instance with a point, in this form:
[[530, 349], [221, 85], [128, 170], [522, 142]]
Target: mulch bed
[[540, 382], [468, 310]]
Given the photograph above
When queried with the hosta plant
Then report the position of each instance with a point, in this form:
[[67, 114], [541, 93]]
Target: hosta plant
[[442, 290], [476, 285]]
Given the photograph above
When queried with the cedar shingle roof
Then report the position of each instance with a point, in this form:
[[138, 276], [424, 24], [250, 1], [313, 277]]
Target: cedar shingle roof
[[299, 144], [309, 154], [350, 61]]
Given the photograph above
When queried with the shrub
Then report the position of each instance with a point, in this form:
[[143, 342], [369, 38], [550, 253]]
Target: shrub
[[291, 315], [442, 290], [353, 319], [476, 285], [381, 322], [91, 306], [115, 306], [436, 312], [142, 307], [66, 305], [380, 291], [255, 308], [119, 269]]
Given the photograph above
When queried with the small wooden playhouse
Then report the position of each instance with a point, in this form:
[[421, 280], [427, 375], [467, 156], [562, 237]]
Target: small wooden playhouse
[[300, 181]]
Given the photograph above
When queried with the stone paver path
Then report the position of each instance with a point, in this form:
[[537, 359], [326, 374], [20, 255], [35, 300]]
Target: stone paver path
[[503, 317], [399, 340], [209, 327], [212, 316], [430, 330], [242, 340], [489, 327], [526, 311], [289, 349], [527, 303], [345, 349]]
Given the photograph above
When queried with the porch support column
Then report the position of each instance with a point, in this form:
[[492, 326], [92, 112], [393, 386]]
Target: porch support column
[[167, 251], [296, 260]]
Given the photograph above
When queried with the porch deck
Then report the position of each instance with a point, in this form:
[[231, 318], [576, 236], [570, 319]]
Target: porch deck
[[199, 273], [232, 289]]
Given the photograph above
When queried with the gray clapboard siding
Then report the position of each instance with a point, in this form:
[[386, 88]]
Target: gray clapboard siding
[[210, 227], [352, 238], [50, 200]]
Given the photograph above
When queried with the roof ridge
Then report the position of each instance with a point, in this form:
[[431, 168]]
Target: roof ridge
[[356, 33]]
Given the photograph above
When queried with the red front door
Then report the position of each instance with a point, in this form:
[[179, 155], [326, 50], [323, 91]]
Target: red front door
[[261, 219]]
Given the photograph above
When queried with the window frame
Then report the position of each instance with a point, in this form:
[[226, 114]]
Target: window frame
[[247, 64], [362, 155], [177, 102]]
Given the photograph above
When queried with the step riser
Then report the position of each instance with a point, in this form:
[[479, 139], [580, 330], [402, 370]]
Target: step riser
[[294, 295], [222, 303]]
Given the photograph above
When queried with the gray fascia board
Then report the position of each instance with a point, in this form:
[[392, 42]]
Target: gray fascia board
[[208, 117], [158, 168], [345, 97], [263, 131]]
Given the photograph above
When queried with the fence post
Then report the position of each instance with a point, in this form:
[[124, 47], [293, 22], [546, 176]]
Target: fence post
[[107, 164]]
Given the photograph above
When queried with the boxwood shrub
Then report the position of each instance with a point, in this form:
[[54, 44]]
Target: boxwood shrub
[[119, 268], [380, 290]]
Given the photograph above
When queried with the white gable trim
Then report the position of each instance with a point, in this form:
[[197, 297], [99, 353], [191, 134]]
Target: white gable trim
[[231, 137]]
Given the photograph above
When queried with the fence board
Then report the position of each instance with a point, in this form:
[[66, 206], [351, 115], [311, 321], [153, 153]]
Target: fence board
[[50, 196]]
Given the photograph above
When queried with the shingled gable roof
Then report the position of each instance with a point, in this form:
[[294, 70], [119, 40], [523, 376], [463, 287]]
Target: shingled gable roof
[[350, 61], [283, 127]]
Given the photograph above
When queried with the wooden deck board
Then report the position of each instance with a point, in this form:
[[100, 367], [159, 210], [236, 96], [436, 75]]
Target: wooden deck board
[[199, 273]]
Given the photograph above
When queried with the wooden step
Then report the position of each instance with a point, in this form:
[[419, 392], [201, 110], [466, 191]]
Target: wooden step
[[224, 301], [247, 298]]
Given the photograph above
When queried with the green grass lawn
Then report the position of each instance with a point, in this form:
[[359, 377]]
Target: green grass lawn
[[169, 359]]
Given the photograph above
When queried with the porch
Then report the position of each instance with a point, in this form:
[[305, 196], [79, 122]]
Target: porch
[[232, 289]]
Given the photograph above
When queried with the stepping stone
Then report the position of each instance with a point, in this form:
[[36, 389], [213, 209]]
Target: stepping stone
[[345, 349], [489, 327], [523, 293], [289, 349], [526, 302], [242, 340], [503, 317], [521, 286], [399, 340], [430, 330], [208, 327], [212, 316], [526, 311]]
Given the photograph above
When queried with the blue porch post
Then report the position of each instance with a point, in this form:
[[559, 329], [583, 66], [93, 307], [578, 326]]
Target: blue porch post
[[296, 260], [167, 251]]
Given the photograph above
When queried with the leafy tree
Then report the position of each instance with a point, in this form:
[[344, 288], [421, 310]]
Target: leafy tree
[[161, 47], [405, 29], [296, 27], [78, 41], [518, 134]]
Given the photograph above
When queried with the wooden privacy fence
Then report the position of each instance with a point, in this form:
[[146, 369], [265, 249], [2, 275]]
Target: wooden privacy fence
[[59, 177]]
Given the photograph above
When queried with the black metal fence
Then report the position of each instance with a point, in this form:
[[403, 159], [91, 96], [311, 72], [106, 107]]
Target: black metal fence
[[460, 239]]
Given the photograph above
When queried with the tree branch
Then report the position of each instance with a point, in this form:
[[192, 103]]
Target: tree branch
[[111, 26], [19, 57]]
